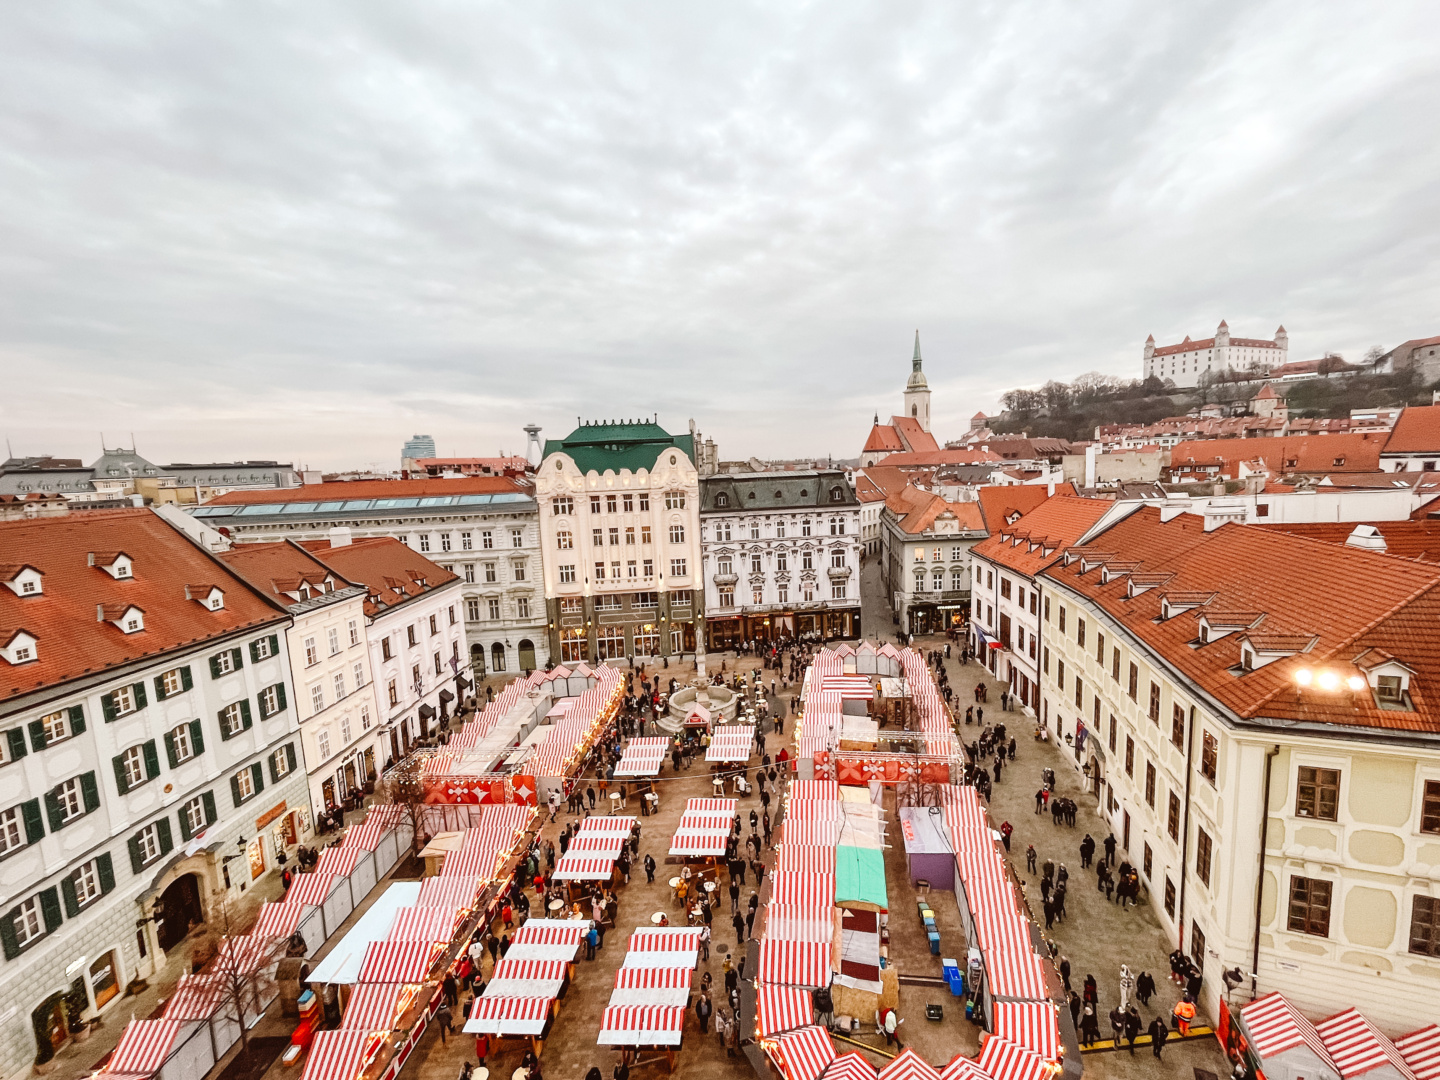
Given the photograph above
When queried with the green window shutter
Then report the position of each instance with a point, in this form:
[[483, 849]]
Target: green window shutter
[[239, 659], [90, 791], [7, 933], [170, 750], [209, 800], [37, 734], [50, 908], [152, 760], [197, 737], [274, 772], [235, 789], [106, 870], [122, 781], [67, 893], [16, 738], [255, 651], [280, 697], [52, 811], [245, 721], [274, 645], [215, 667], [77, 719], [140, 700], [159, 687], [163, 828], [259, 775], [34, 822], [137, 860], [290, 755], [107, 706], [184, 820], [186, 682], [225, 735]]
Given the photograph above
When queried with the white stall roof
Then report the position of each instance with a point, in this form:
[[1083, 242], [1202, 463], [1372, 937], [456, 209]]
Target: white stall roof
[[342, 963]]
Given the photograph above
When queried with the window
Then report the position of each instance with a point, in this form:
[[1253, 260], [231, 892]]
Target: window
[[647, 567], [1177, 726], [1309, 906], [234, 719], [493, 604], [439, 670], [522, 607], [1060, 675], [354, 631], [610, 504], [1202, 855], [339, 681], [1080, 632], [782, 562], [1197, 944], [1062, 618], [572, 605], [644, 500], [1155, 702], [782, 594], [517, 538], [27, 923], [677, 568], [424, 541], [807, 562], [837, 559], [393, 693], [15, 831], [630, 537], [645, 534], [466, 543], [1149, 784], [677, 534], [180, 744], [1047, 608], [1134, 682], [627, 502], [805, 531], [312, 654], [56, 726], [1114, 727], [192, 816], [150, 843], [1100, 649], [675, 500], [487, 539], [837, 526], [1389, 690], [563, 504], [567, 574], [517, 570], [317, 699], [1425, 926], [1317, 793], [1169, 897], [385, 648], [131, 769], [614, 537], [1079, 691], [71, 799], [780, 528], [754, 528], [1430, 807], [599, 571], [919, 578], [1172, 821], [727, 596], [1209, 756], [410, 635], [280, 760], [490, 577], [1148, 860], [333, 636]]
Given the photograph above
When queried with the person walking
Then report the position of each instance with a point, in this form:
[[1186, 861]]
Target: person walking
[[446, 1020], [734, 895], [703, 1008], [1144, 987], [1110, 848], [1158, 1034], [1030, 857], [1040, 801], [649, 869], [1065, 971], [1087, 851], [1117, 1027], [739, 923], [1005, 830], [1089, 1027], [1184, 1012], [1133, 1026]]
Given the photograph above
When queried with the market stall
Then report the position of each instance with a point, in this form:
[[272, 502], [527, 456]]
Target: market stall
[[643, 757]]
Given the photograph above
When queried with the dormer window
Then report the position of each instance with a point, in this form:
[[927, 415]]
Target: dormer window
[[1389, 690], [210, 597], [722, 499], [21, 648], [23, 580], [115, 563], [129, 618], [837, 494]]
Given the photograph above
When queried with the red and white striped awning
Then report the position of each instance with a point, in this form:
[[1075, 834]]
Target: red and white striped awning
[[850, 1066], [584, 867], [849, 687], [811, 790], [310, 888], [1357, 1045], [963, 1068], [397, 961], [375, 1006], [805, 860], [144, 1045], [712, 806], [817, 834], [450, 890], [698, 844], [808, 892], [642, 1025], [702, 822], [553, 932], [196, 997], [782, 1008], [790, 922], [508, 1016], [732, 743], [598, 825], [337, 1055], [1005, 1060], [1274, 1026], [278, 920], [795, 963], [529, 969], [564, 951], [642, 757], [908, 1065], [665, 939], [662, 959], [814, 810], [598, 844], [339, 861], [423, 924], [671, 978], [1031, 1024], [1421, 1051], [803, 1054], [1015, 974], [366, 836]]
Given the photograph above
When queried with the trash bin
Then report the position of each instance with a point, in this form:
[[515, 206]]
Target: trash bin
[[953, 976], [934, 936]]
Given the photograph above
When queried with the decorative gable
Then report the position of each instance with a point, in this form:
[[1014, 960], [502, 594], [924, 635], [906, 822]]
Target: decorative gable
[[115, 563], [21, 648], [23, 580]]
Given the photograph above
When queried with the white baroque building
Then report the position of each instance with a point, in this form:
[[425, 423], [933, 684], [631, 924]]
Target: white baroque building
[[1187, 361]]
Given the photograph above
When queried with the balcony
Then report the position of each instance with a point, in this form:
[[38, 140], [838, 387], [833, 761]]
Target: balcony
[[725, 579], [838, 573]]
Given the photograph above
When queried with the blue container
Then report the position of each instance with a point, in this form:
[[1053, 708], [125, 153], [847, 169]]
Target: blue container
[[934, 936]]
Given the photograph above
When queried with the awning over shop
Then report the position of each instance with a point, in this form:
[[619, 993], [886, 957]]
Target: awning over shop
[[641, 1025], [794, 963], [860, 877], [803, 1054], [1004, 1060], [398, 961], [426, 711], [337, 1055], [1031, 1024], [144, 1046], [375, 1006], [782, 1008], [508, 1016]]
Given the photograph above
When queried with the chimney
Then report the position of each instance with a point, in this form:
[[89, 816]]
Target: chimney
[[1367, 538], [340, 536]]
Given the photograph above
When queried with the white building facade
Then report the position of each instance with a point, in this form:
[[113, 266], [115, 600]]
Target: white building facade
[[1186, 363]]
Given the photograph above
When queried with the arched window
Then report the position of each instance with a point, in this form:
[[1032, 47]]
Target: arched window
[[722, 499], [497, 657], [837, 494]]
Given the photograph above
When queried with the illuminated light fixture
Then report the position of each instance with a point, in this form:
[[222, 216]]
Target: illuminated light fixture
[[1304, 676], [1328, 680], [1355, 682]]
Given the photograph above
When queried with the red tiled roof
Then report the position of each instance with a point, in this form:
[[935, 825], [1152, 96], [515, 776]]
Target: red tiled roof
[[1319, 454], [71, 640], [278, 568], [915, 437], [1055, 524], [389, 569], [1416, 432], [917, 510], [883, 439], [1416, 539], [878, 482], [959, 456], [999, 502], [1344, 600], [375, 489]]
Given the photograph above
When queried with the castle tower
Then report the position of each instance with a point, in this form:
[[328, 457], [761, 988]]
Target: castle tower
[[917, 390]]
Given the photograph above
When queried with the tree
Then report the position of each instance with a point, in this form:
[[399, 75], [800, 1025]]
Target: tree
[[404, 787], [243, 968], [1057, 396]]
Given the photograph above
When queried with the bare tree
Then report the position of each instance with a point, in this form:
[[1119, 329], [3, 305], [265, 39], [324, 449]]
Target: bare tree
[[243, 967], [404, 787]]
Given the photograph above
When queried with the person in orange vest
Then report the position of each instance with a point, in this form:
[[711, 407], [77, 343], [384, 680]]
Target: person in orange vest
[[1184, 1012]]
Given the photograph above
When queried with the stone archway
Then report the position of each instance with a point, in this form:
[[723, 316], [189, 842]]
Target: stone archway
[[527, 654], [181, 910], [497, 657], [477, 659]]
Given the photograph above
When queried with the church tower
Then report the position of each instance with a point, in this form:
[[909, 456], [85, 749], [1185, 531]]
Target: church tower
[[917, 391]]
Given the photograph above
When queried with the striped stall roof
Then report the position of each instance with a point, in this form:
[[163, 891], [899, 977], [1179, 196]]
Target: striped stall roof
[[424, 924], [705, 823], [1421, 1051], [803, 1054], [809, 892], [338, 861], [908, 1065], [144, 1045], [791, 922], [814, 810], [1031, 1024], [805, 860], [1005, 1060], [529, 969], [336, 1055], [310, 888], [508, 1016], [196, 997], [598, 825], [397, 961], [659, 958], [641, 1025], [671, 978], [583, 867], [642, 757], [794, 963], [278, 920], [669, 939], [963, 1068], [1274, 1026], [453, 891], [696, 844], [373, 1006], [824, 790], [1357, 1046], [713, 806], [366, 836], [599, 844], [851, 1066], [782, 1008], [1015, 974], [554, 932], [821, 834], [732, 743]]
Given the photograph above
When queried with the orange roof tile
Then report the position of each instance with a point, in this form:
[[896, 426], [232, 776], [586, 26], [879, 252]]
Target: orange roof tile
[[915, 437], [278, 568], [376, 489], [1356, 452], [391, 571], [71, 640], [1051, 527], [958, 456], [999, 503], [1414, 539], [883, 439], [1333, 602], [1416, 432]]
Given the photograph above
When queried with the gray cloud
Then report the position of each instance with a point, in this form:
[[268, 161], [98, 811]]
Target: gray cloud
[[308, 231]]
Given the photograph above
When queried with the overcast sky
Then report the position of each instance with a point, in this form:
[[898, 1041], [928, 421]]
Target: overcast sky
[[307, 231]]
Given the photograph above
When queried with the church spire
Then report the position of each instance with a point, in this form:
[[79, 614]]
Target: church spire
[[915, 363]]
